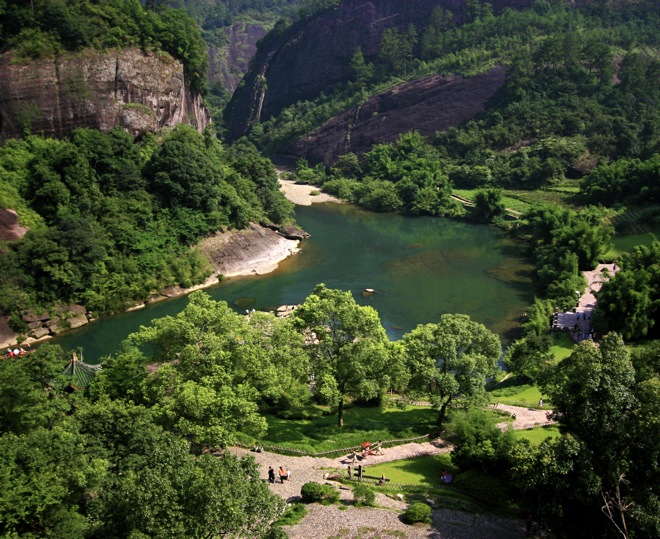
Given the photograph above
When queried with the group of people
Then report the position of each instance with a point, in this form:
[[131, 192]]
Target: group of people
[[16, 352], [283, 473]]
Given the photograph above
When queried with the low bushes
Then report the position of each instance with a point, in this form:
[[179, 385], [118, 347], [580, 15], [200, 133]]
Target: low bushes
[[417, 512], [363, 495], [315, 492]]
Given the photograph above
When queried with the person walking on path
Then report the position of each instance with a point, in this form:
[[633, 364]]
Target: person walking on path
[[271, 474], [283, 474]]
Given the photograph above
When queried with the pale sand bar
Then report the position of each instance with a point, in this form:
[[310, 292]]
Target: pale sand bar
[[301, 194]]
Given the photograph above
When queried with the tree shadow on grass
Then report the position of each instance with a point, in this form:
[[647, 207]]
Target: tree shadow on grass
[[360, 424]]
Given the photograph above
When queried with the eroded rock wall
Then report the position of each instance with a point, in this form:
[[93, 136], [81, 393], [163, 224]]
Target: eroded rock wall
[[229, 64], [139, 92], [426, 105], [311, 56]]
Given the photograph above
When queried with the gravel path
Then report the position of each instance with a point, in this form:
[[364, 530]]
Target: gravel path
[[348, 522], [526, 418]]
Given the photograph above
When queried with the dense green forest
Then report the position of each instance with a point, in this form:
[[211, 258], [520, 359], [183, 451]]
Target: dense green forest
[[574, 73], [214, 15], [112, 219]]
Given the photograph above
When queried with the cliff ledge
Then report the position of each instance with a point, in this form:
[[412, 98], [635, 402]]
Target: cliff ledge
[[99, 90]]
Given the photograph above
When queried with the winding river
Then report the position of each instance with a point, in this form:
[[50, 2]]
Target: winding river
[[419, 268]]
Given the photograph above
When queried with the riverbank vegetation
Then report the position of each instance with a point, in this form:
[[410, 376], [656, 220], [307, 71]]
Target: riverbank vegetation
[[112, 219]]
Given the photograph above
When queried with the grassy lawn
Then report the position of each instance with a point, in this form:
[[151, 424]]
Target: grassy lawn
[[626, 243], [561, 197], [509, 202], [562, 345], [474, 490], [360, 425], [516, 392], [537, 434]]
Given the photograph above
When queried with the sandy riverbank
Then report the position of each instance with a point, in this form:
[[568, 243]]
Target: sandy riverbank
[[301, 195]]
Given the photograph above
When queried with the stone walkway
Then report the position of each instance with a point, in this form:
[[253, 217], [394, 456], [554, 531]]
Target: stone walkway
[[526, 418], [578, 321]]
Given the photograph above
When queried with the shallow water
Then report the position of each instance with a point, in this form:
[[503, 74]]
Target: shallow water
[[419, 268]]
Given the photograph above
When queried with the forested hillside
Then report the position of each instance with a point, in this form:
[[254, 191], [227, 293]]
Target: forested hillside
[[112, 219], [573, 72]]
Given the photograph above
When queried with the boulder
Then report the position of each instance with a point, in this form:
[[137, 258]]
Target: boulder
[[10, 229], [75, 310], [291, 232], [31, 317], [40, 332], [78, 321]]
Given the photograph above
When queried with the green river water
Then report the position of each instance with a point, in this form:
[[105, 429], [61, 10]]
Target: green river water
[[420, 268]]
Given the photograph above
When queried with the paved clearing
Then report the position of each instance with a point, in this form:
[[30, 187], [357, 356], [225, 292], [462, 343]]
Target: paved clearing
[[349, 522]]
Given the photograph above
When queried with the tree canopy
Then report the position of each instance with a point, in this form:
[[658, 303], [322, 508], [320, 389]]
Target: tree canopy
[[450, 361], [348, 347]]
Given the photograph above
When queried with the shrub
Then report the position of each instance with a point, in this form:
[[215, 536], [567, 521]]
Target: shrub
[[363, 495], [294, 513], [276, 532], [417, 512], [300, 413], [315, 492]]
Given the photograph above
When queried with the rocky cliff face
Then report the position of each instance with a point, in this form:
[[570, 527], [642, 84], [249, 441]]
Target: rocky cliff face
[[427, 105], [230, 63], [313, 55], [139, 92]]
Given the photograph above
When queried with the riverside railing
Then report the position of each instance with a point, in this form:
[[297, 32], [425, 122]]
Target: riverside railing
[[353, 449]]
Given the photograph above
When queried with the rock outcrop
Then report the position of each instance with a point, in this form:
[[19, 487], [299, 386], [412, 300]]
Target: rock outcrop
[[313, 54], [427, 105], [10, 229], [252, 251], [139, 92]]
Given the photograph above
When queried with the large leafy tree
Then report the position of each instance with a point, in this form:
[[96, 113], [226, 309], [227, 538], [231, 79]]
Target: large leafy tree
[[32, 391], [449, 361], [601, 477], [110, 471], [348, 347], [159, 489], [212, 370]]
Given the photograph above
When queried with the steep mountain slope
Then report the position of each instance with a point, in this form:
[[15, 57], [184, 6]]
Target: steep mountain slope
[[425, 105], [314, 53], [229, 64]]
